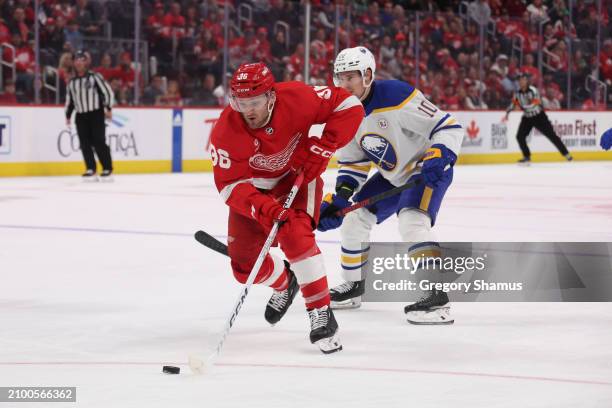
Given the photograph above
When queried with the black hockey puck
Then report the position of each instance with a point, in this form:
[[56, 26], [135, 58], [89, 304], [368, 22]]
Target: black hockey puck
[[171, 370]]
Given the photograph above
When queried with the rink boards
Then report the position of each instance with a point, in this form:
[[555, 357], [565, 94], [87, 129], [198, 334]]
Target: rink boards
[[34, 141]]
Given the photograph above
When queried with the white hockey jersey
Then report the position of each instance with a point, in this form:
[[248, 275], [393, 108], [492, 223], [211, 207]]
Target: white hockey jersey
[[400, 125]]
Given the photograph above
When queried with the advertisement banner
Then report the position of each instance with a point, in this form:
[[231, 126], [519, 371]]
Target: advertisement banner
[[37, 138]]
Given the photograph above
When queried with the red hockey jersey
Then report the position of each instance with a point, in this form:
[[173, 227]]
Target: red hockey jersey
[[245, 159]]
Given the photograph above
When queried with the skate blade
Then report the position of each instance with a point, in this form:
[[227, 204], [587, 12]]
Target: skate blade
[[107, 179], [353, 303], [90, 179], [330, 345], [524, 164], [438, 316]]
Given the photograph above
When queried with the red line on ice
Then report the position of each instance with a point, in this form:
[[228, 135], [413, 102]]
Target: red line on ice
[[294, 366]]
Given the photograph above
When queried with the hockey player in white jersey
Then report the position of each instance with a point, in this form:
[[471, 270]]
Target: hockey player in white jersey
[[404, 136]]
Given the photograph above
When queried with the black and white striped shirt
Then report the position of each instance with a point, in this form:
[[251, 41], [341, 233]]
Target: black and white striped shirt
[[88, 93], [529, 101]]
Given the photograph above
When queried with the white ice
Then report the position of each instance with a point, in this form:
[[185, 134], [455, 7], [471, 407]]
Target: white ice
[[102, 284]]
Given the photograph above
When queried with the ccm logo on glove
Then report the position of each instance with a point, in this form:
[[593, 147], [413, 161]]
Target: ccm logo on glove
[[321, 152]]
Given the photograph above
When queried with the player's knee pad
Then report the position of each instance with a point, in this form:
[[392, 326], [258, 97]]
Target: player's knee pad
[[415, 226], [271, 269], [356, 228]]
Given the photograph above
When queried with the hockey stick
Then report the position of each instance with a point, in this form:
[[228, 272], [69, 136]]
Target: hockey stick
[[198, 364], [213, 243], [378, 197]]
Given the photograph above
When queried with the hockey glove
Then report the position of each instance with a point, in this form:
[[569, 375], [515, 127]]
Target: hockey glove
[[435, 162], [329, 206], [606, 140], [266, 211], [313, 158]]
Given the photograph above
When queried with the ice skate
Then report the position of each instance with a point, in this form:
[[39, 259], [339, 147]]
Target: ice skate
[[324, 330], [347, 295], [89, 176], [106, 176], [525, 161], [433, 308], [281, 299]]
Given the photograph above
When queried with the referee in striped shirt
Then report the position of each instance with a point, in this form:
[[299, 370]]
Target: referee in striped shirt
[[528, 99], [92, 98]]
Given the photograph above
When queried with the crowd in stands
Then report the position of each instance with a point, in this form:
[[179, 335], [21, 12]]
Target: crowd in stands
[[439, 48]]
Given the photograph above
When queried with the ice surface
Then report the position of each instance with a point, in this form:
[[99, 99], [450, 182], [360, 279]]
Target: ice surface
[[102, 284]]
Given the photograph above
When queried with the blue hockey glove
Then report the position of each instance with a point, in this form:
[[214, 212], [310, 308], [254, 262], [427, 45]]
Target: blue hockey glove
[[606, 140], [435, 161], [329, 206]]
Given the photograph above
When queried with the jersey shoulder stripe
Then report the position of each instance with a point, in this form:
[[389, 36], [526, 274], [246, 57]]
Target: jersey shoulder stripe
[[390, 95]]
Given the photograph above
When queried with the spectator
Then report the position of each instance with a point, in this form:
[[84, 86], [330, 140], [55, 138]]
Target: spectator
[[207, 50], [479, 11], [105, 68], [65, 68], [326, 16], [5, 33], [87, 18], [205, 95], [537, 11], [549, 101], [24, 64], [153, 91], [174, 22], [155, 24], [528, 68], [451, 100], [296, 61], [65, 9], [278, 48], [263, 51], [8, 97], [558, 10], [73, 35], [192, 22], [605, 61], [250, 44], [501, 65], [213, 23], [125, 72], [18, 24], [172, 97], [387, 62], [472, 100], [52, 37], [119, 92], [386, 15], [587, 28]]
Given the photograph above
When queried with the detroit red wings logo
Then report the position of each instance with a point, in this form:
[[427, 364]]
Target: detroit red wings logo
[[275, 161]]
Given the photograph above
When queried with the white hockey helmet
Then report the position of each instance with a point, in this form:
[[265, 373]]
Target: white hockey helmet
[[354, 59]]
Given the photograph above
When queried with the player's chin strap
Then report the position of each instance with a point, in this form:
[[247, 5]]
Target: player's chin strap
[[270, 107], [368, 87]]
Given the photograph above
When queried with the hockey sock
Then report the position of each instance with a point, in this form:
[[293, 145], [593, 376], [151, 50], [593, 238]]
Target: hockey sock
[[310, 274]]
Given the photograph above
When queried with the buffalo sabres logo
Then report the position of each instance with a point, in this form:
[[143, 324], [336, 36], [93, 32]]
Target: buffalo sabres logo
[[269, 130], [379, 151], [383, 124]]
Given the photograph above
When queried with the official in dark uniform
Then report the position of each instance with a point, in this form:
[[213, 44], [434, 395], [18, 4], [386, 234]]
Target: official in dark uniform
[[92, 98], [528, 99]]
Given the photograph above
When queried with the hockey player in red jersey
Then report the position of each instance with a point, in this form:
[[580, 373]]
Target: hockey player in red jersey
[[259, 142]]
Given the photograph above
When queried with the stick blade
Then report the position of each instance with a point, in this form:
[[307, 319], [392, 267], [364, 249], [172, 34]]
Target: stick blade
[[200, 365], [211, 242]]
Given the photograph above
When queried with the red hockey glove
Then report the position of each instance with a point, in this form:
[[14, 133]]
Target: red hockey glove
[[313, 158], [267, 210]]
